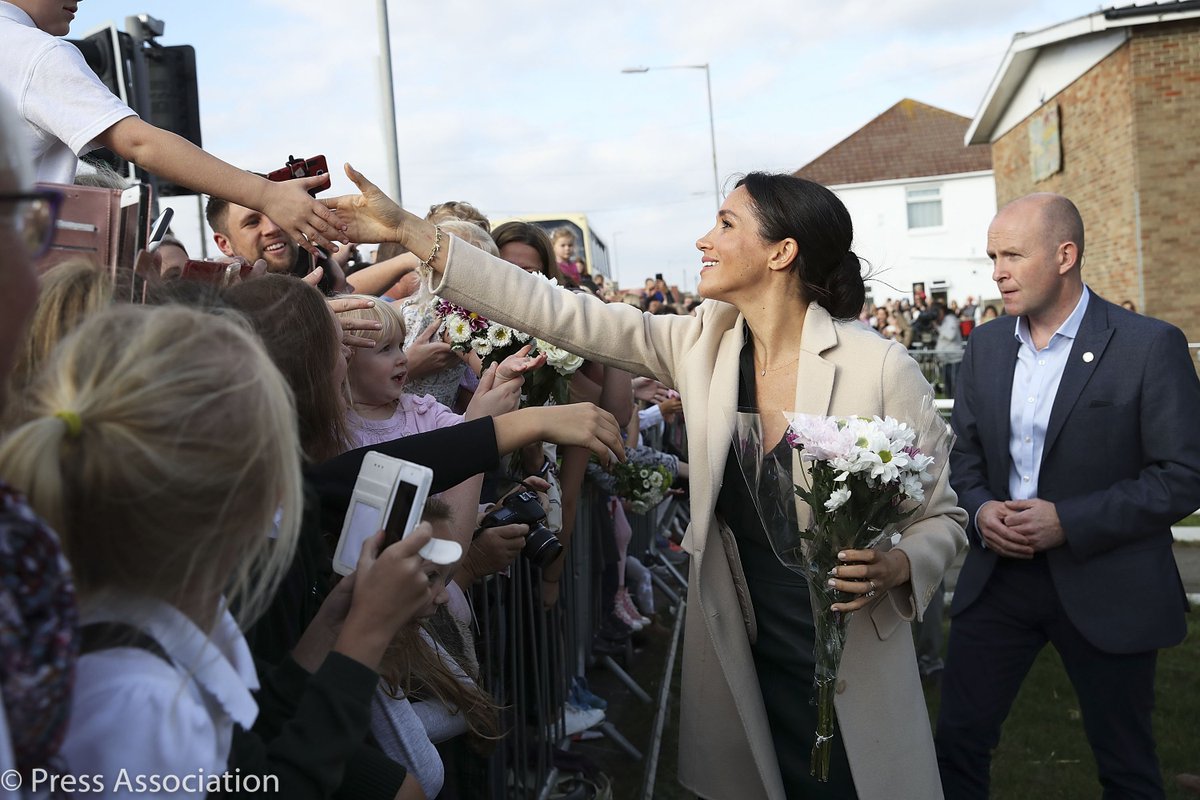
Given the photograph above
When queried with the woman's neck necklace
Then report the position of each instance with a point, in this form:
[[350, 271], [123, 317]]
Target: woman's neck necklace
[[763, 370]]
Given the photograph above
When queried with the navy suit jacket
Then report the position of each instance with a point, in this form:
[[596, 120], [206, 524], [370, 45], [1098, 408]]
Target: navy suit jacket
[[1121, 463]]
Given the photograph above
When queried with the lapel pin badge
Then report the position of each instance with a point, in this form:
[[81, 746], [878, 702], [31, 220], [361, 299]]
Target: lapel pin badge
[[1087, 357]]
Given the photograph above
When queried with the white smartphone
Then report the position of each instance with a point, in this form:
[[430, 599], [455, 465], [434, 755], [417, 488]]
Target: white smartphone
[[389, 494], [159, 229]]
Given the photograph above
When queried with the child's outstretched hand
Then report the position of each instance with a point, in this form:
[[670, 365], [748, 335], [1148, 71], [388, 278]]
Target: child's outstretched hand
[[493, 398], [516, 365]]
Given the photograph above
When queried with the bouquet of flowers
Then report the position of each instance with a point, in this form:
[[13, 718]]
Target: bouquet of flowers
[[471, 332], [860, 478], [642, 486], [493, 342]]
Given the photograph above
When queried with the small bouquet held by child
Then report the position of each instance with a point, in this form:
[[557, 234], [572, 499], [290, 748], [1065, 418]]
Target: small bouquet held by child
[[641, 485], [860, 478], [493, 342]]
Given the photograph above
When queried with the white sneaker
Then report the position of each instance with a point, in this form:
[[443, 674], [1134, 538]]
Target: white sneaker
[[576, 720]]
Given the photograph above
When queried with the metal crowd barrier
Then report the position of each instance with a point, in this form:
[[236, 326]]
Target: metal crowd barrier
[[931, 361], [529, 655]]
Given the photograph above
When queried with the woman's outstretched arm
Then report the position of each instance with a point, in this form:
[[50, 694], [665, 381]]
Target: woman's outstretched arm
[[615, 334]]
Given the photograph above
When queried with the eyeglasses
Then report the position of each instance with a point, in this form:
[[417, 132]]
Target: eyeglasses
[[35, 215]]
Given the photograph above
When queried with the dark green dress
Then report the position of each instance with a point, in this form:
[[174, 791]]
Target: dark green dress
[[783, 652]]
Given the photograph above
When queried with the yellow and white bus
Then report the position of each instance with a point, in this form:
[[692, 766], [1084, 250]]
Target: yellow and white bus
[[593, 250]]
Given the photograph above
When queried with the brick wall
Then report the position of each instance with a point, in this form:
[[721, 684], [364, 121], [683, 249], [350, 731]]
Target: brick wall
[[1130, 130], [1165, 62], [1098, 171]]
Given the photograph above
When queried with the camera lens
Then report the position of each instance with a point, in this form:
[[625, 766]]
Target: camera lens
[[542, 547]]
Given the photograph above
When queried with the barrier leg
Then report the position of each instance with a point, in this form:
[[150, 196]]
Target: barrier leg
[[625, 678]]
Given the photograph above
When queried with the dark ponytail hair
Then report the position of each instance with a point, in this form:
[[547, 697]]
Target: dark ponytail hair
[[788, 207]]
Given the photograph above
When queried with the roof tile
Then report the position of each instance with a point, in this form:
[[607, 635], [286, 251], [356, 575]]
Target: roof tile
[[909, 140]]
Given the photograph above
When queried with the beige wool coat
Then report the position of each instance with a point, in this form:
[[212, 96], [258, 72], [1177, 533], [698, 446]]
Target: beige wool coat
[[726, 750]]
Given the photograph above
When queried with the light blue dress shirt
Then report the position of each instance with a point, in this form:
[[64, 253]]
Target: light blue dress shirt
[[1035, 384]]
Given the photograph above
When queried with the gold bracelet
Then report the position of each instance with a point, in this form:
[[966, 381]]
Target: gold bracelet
[[425, 267]]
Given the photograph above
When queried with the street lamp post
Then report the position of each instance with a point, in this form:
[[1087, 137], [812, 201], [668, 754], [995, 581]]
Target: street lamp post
[[712, 128], [389, 101]]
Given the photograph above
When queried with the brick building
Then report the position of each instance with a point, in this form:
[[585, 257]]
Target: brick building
[[1105, 109]]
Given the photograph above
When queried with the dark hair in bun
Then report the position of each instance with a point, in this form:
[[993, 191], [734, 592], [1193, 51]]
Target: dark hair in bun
[[788, 207]]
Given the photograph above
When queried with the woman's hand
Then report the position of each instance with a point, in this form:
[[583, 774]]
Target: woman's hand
[[371, 216], [868, 573], [390, 588], [305, 219], [491, 551], [492, 398], [350, 324], [649, 390], [427, 355], [670, 407], [583, 425], [578, 424]]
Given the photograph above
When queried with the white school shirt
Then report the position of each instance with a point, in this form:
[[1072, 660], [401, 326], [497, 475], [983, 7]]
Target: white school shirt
[[63, 105], [134, 711]]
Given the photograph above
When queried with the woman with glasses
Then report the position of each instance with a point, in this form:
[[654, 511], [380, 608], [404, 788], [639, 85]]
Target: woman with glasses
[[38, 616]]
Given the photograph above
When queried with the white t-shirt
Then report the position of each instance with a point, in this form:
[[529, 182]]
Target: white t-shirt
[[61, 101], [132, 710]]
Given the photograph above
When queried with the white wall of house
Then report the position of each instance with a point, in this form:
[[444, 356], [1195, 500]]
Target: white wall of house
[[952, 254]]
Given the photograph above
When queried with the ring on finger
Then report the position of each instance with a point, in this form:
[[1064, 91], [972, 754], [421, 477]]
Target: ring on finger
[[873, 588], [871, 593]]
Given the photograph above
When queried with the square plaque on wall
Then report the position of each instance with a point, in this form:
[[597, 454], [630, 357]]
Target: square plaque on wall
[[1045, 146]]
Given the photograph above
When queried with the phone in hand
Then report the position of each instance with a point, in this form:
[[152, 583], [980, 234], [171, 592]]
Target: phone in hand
[[221, 273], [303, 168], [158, 231], [390, 493]]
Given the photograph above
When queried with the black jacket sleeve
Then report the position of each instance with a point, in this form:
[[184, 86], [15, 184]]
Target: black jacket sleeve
[[454, 454], [310, 729]]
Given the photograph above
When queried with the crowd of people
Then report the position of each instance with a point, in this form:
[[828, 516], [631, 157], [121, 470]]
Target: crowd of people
[[180, 440]]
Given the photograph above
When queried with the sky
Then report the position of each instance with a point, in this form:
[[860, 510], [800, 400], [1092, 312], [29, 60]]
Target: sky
[[520, 107]]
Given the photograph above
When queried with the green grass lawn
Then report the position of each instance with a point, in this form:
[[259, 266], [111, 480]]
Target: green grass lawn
[[1043, 752], [1190, 522]]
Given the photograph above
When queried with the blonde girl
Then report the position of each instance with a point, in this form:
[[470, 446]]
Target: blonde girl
[[162, 446], [381, 411]]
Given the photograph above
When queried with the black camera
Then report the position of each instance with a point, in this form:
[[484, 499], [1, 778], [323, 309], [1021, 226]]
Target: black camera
[[542, 547]]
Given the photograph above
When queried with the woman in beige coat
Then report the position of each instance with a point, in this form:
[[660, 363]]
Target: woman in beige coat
[[778, 275]]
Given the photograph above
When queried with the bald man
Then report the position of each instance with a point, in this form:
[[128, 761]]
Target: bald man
[[1077, 450]]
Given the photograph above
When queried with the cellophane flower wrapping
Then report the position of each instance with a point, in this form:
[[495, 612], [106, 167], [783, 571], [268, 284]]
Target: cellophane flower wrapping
[[862, 479], [469, 331]]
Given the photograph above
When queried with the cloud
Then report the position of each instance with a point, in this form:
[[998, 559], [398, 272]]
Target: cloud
[[521, 106]]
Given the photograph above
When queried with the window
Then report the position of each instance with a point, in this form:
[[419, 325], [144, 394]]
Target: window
[[924, 206]]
